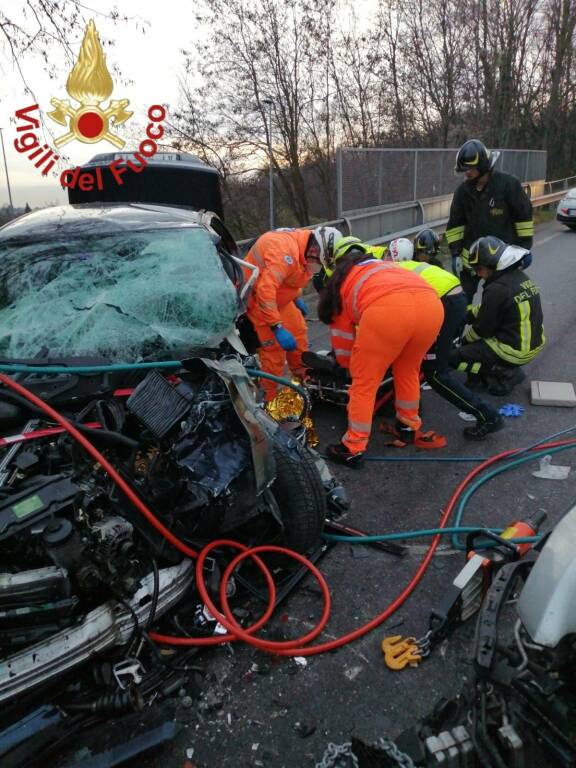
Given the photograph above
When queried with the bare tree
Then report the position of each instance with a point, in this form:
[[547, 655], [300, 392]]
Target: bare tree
[[36, 28], [558, 125], [412, 72]]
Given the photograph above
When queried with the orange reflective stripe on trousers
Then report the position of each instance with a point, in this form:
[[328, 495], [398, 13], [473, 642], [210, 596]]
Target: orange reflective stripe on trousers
[[396, 330]]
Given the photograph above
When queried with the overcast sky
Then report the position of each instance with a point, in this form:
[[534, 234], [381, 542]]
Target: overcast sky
[[152, 61]]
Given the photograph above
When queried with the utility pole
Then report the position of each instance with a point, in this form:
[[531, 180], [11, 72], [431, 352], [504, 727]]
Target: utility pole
[[6, 168], [270, 104]]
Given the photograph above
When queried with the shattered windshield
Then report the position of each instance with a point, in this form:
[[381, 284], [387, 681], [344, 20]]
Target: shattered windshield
[[126, 297]]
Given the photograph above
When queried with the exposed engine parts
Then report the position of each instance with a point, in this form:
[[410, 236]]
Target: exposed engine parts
[[84, 575]]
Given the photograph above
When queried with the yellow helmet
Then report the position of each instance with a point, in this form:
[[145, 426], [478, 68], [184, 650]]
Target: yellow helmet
[[344, 246]]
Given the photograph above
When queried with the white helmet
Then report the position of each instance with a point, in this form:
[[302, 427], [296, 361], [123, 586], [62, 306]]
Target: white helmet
[[511, 255], [327, 237], [401, 249]]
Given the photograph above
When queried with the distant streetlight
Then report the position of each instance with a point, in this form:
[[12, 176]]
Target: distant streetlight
[[6, 169], [270, 103]]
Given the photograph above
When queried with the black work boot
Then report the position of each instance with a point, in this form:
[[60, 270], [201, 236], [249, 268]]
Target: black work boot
[[476, 383], [405, 433], [483, 428], [340, 454], [505, 379]]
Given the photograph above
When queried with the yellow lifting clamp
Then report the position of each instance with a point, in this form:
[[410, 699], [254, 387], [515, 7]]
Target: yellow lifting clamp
[[400, 652]]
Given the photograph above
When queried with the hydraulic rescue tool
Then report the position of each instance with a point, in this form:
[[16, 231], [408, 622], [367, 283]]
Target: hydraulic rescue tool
[[465, 595]]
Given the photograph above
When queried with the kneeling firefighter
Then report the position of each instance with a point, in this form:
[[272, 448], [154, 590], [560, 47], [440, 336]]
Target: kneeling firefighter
[[506, 330], [436, 364], [380, 316], [287, 260]]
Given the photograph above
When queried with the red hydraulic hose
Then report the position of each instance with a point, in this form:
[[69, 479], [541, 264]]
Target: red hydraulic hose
[[230, 622], [38, 433], [219, 639], [95, 453], [141, 507]]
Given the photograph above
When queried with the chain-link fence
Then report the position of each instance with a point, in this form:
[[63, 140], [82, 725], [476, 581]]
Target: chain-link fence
[[369, 178]]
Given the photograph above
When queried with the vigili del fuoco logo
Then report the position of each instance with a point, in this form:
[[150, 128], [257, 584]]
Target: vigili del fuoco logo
[[90, 84]]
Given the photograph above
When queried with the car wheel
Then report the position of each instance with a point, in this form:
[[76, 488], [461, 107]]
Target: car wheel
[[301, 497]]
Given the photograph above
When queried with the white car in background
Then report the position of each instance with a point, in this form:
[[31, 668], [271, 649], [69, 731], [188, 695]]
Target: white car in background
[[566, 211]]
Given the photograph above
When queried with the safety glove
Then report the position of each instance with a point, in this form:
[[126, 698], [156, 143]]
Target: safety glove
[[302, 306], [284, 338]]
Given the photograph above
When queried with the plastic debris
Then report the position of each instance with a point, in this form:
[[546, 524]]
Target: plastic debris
[[549, 471], [466, 416], [511, 410], [302, 661], [304, 728], [353, 672]]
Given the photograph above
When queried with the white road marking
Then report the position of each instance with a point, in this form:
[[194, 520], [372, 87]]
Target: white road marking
[[546, 239]]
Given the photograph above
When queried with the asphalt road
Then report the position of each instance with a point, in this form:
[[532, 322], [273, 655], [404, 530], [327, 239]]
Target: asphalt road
[[259, 711]]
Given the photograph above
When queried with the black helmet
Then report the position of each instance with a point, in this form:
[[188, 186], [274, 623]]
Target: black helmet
[[428, 241], [486, 252], [474, 155]]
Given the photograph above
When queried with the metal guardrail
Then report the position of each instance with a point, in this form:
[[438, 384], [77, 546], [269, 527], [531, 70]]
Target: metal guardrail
[[380, 225], [343, 224], [552, 191]]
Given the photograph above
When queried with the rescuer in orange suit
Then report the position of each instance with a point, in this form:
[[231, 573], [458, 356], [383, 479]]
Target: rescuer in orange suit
[[287, 259], [380, 315]]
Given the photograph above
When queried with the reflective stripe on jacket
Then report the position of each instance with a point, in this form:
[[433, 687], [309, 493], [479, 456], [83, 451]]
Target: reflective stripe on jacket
[[509, 319], [280, 257], [367, 282], [501, 209]]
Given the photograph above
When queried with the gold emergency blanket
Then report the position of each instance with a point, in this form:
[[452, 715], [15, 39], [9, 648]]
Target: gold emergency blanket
[[288, 404]]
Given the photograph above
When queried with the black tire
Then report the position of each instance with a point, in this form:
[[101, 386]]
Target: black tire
[[301, 497]]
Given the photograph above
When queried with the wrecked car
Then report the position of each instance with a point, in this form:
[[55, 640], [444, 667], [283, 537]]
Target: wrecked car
[[84, 290]]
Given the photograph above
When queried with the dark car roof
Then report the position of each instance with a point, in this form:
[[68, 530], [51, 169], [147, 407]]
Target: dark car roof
[[98, 218]]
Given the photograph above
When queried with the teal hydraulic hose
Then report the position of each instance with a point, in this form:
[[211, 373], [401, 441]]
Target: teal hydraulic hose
[[110, 368], [456, 543], [468, 458], [417, 533], [115, 367], [257, 374]]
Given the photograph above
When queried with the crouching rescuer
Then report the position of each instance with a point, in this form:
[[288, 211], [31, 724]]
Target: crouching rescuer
[[287, 260], [506, 330], [436, 364], [380, 316]]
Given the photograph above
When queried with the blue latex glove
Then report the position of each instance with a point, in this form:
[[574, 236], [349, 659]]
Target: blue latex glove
[[284, 338], [457, 265], [302, 306], [526, 261]]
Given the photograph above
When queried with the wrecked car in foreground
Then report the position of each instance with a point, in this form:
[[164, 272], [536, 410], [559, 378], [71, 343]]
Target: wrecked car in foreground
[[84, 575]]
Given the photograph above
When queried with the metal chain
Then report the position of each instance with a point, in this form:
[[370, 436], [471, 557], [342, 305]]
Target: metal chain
[[335, 752], [388, 746]]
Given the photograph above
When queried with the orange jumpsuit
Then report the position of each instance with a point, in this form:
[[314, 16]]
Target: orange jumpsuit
[[390, 317], [280, 257]]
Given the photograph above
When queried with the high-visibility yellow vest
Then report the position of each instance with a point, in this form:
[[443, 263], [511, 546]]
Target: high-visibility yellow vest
[[440, 279], [378, 251]]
